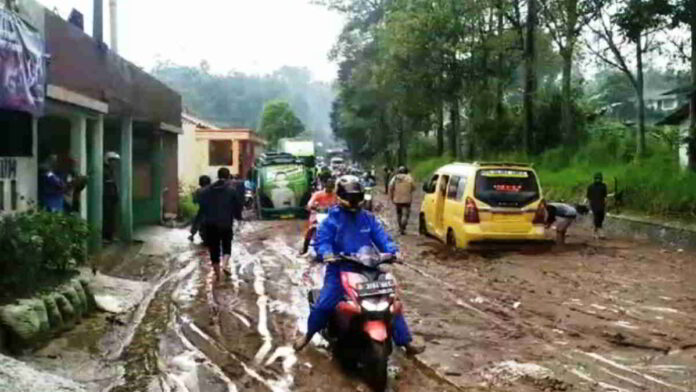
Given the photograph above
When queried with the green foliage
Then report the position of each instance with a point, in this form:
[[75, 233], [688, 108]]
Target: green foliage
[[278, 121], [653, 185], [237, 100], [187, 208], [38, 244], [423, 169]]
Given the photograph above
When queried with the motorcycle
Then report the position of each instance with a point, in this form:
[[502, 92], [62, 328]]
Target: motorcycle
[[319, 216], [249, 199], [367, 203], [359, 331], [249, 196]]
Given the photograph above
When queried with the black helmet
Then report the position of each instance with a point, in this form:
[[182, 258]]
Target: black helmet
[[402, 170], [350, 192]]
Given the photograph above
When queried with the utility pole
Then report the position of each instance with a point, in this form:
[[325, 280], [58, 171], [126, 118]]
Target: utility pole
[[98, 21], [113, 24]]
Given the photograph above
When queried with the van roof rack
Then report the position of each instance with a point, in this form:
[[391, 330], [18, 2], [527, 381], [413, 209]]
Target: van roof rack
[[503, 164]]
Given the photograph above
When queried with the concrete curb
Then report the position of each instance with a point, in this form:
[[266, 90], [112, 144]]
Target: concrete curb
[[642, 229]]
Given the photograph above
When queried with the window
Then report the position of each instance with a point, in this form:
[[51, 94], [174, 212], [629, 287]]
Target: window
[[220, 153], [15, 133], [443, 185], [430, 185], [461, 189], [452, 188], [506, 187]]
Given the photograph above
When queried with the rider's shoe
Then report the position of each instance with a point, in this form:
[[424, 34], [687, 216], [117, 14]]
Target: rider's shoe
[[300, 343], [412, 349]]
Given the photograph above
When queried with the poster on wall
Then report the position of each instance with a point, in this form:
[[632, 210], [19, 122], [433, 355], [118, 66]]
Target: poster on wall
[[22, 65]]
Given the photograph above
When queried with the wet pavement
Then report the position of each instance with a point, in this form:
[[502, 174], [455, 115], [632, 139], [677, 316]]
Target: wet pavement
[[593, 316]]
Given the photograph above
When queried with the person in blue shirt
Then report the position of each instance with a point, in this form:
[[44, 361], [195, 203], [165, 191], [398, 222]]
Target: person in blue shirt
[[347, 229], [51, 186]]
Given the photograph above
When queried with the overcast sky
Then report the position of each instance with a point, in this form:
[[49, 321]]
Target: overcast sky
[[250, 36]]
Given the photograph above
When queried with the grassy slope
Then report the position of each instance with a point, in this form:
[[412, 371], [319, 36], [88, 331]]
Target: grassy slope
[[653, 187]]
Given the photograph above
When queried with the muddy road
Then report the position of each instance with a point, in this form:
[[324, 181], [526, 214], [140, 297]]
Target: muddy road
[[593, 316]]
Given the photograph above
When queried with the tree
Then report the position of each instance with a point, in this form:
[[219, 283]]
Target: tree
[[278, 121], [565, 20], [625, 27], [685, 14], [529, 74]]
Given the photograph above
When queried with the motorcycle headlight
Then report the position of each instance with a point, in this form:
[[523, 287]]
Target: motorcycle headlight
[[374, 305]]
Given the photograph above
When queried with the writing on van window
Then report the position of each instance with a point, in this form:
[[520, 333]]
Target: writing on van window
[[8, 168], [504, 173], [507, 187]]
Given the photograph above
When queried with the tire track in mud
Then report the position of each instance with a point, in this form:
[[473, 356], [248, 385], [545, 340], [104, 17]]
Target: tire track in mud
[[548, 323], [427, 376]]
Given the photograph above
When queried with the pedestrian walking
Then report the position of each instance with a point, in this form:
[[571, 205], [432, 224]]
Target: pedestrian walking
[[563, 215], [597, 197], [220, 205], [388, 172], [400, 192], [110, 198], [203, 182]]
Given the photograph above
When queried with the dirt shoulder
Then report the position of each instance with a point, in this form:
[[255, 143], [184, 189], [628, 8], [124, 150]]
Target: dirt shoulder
[[615, 314]]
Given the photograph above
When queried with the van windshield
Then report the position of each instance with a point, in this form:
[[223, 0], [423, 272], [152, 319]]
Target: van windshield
[[506, 187]]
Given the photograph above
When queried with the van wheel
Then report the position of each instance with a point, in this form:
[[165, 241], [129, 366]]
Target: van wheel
[[422, 228], [451, 239]]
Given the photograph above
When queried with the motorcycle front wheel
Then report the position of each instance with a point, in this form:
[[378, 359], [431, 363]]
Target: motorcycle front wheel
[[376, 366]]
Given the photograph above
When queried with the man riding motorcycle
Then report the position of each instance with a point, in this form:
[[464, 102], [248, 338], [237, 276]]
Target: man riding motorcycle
[[320, 200], [347, 229]]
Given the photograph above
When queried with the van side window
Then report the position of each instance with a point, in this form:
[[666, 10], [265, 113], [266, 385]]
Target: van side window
[[433, 183], [461, 189], [443, 185], [452, 188]]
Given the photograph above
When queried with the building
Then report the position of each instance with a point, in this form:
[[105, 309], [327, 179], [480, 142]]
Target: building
[[235, 149], [680, 119], [79, 100], [189, 173]]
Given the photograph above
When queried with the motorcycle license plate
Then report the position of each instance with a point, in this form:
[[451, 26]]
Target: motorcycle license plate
[[380, 287]]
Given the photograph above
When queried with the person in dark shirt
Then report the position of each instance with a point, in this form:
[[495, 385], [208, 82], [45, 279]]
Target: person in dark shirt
[[111, 196], [597, 197], [221, 206], [203, 182]]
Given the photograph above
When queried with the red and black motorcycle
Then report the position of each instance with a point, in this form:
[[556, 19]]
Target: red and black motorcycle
[[359, 331]]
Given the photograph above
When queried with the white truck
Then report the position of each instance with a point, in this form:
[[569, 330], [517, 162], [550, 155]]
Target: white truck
[[298, 147]]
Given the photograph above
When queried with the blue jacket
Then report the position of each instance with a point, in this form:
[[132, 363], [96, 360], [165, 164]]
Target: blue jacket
[[346, 232]]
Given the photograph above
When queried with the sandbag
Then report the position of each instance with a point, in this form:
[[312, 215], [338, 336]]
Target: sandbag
[[22, 324], [55, 319], [91, 303], [81, 293], [38, 306], [71, 295], [67, 311]]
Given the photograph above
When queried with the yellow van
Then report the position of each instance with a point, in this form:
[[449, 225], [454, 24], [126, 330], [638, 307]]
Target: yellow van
[[469, 203]]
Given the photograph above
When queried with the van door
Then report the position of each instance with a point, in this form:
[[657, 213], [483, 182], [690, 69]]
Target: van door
[[440, 195], [429, 199], [454, 207]]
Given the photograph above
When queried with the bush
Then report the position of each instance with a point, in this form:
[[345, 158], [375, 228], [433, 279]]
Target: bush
[[425, 168], [37, 245], [187, 208]]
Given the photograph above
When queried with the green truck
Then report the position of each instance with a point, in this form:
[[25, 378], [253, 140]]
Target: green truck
[[283, 186]]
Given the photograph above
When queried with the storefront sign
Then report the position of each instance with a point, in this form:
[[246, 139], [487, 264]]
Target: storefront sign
[[22, 65]]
